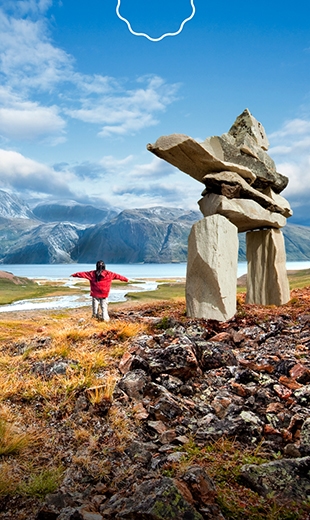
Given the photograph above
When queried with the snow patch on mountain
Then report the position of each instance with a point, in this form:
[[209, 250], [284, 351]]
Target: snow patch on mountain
[[13, 207]]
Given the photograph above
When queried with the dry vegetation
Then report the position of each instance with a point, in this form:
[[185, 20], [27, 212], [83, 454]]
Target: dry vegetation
[[51, 361]]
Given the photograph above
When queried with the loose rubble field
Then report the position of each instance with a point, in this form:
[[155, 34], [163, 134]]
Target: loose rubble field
[[155, 415]]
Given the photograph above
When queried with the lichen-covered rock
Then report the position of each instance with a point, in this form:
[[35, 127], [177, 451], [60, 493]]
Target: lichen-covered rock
[[214, 354], [246, 425], [177, 360], [133, 383], [305, 438], [158, 499], [286, 478]]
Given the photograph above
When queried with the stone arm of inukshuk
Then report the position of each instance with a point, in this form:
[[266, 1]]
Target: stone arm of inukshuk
[[242, 185]]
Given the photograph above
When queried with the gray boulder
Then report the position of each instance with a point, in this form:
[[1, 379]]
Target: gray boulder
[[286, 478], [158, 499]]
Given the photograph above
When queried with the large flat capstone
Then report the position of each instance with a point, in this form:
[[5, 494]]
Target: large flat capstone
[[192, 158]]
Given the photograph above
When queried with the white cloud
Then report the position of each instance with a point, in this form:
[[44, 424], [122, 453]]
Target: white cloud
[[28, 7], [146, 184], [27, 120], [126, 111], [110, 163], [21, 173], [30, 122], [31, 66], [292, 128], [291, 151], [28, 59]]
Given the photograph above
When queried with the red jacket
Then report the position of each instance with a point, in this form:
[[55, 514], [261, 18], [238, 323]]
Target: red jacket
[[100, 289]]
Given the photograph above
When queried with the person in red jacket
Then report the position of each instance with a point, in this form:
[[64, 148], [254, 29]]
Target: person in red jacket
[[100, 285]]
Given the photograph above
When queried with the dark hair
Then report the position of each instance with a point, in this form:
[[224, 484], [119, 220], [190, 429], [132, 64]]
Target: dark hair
[[100, 266]]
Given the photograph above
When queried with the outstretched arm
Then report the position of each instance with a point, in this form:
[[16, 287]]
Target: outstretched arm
[[86, 275], [120, 277]]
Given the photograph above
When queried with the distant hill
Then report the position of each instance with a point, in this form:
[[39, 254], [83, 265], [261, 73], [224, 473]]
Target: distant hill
[[297, 243], [72, 212], [156, 235], [62, 232]]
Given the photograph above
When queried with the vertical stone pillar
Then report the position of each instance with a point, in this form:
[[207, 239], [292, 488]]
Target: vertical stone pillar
[[212, 264], [267, 282]]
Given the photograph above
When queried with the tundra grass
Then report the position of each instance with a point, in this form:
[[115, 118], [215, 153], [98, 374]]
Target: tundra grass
[[165, 291], [297, 280], [222, 461], [43, 422], [11, 292]]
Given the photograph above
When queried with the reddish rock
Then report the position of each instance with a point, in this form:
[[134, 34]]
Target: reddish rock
[[240, 390], [158, 426], [289, 383], [140, 412], [300, 373], [270, 430], [222, 336], [167, 437], [282, 391], [263, 367], [274, 408]]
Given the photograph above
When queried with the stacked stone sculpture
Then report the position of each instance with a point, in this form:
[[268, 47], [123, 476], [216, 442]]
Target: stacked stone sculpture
[[242, 193]]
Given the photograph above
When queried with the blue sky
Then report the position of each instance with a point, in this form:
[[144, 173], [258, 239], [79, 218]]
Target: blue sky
[[80, 96]]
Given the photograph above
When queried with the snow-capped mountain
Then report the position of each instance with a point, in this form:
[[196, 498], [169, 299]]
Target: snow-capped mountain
[[64, 232], [45, 244], [13, 207]]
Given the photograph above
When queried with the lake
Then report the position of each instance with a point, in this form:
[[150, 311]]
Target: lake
[[145, 273]]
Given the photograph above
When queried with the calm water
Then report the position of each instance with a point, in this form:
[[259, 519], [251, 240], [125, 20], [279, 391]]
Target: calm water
[[131, 271], [135, 272]]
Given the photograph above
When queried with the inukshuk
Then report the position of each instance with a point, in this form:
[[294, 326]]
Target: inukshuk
[[241, 194]]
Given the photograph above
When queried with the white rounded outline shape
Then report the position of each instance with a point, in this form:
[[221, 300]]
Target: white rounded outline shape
[[146, 35]]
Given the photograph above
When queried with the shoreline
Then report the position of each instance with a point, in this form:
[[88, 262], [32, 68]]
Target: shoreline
[[118, 297]]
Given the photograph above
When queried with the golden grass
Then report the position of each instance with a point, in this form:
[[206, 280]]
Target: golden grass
[[8, 479], [104, 392], [12, 441], [50, 404]]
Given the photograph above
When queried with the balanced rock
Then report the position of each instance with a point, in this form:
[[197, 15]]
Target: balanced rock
[[192, 158], [246, 125], [280, 201], [233, 186], [241, 150], [246, 214], [267, 282], [250, 156], [211, 276]]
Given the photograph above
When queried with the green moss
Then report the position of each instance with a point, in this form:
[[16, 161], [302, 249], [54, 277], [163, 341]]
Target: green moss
[[39, 485]]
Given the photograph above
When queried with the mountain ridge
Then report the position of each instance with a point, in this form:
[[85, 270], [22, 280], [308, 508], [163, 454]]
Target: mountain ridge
[[139, 235]]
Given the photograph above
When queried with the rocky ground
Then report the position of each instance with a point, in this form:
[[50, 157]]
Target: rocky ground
[[207, 420]]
